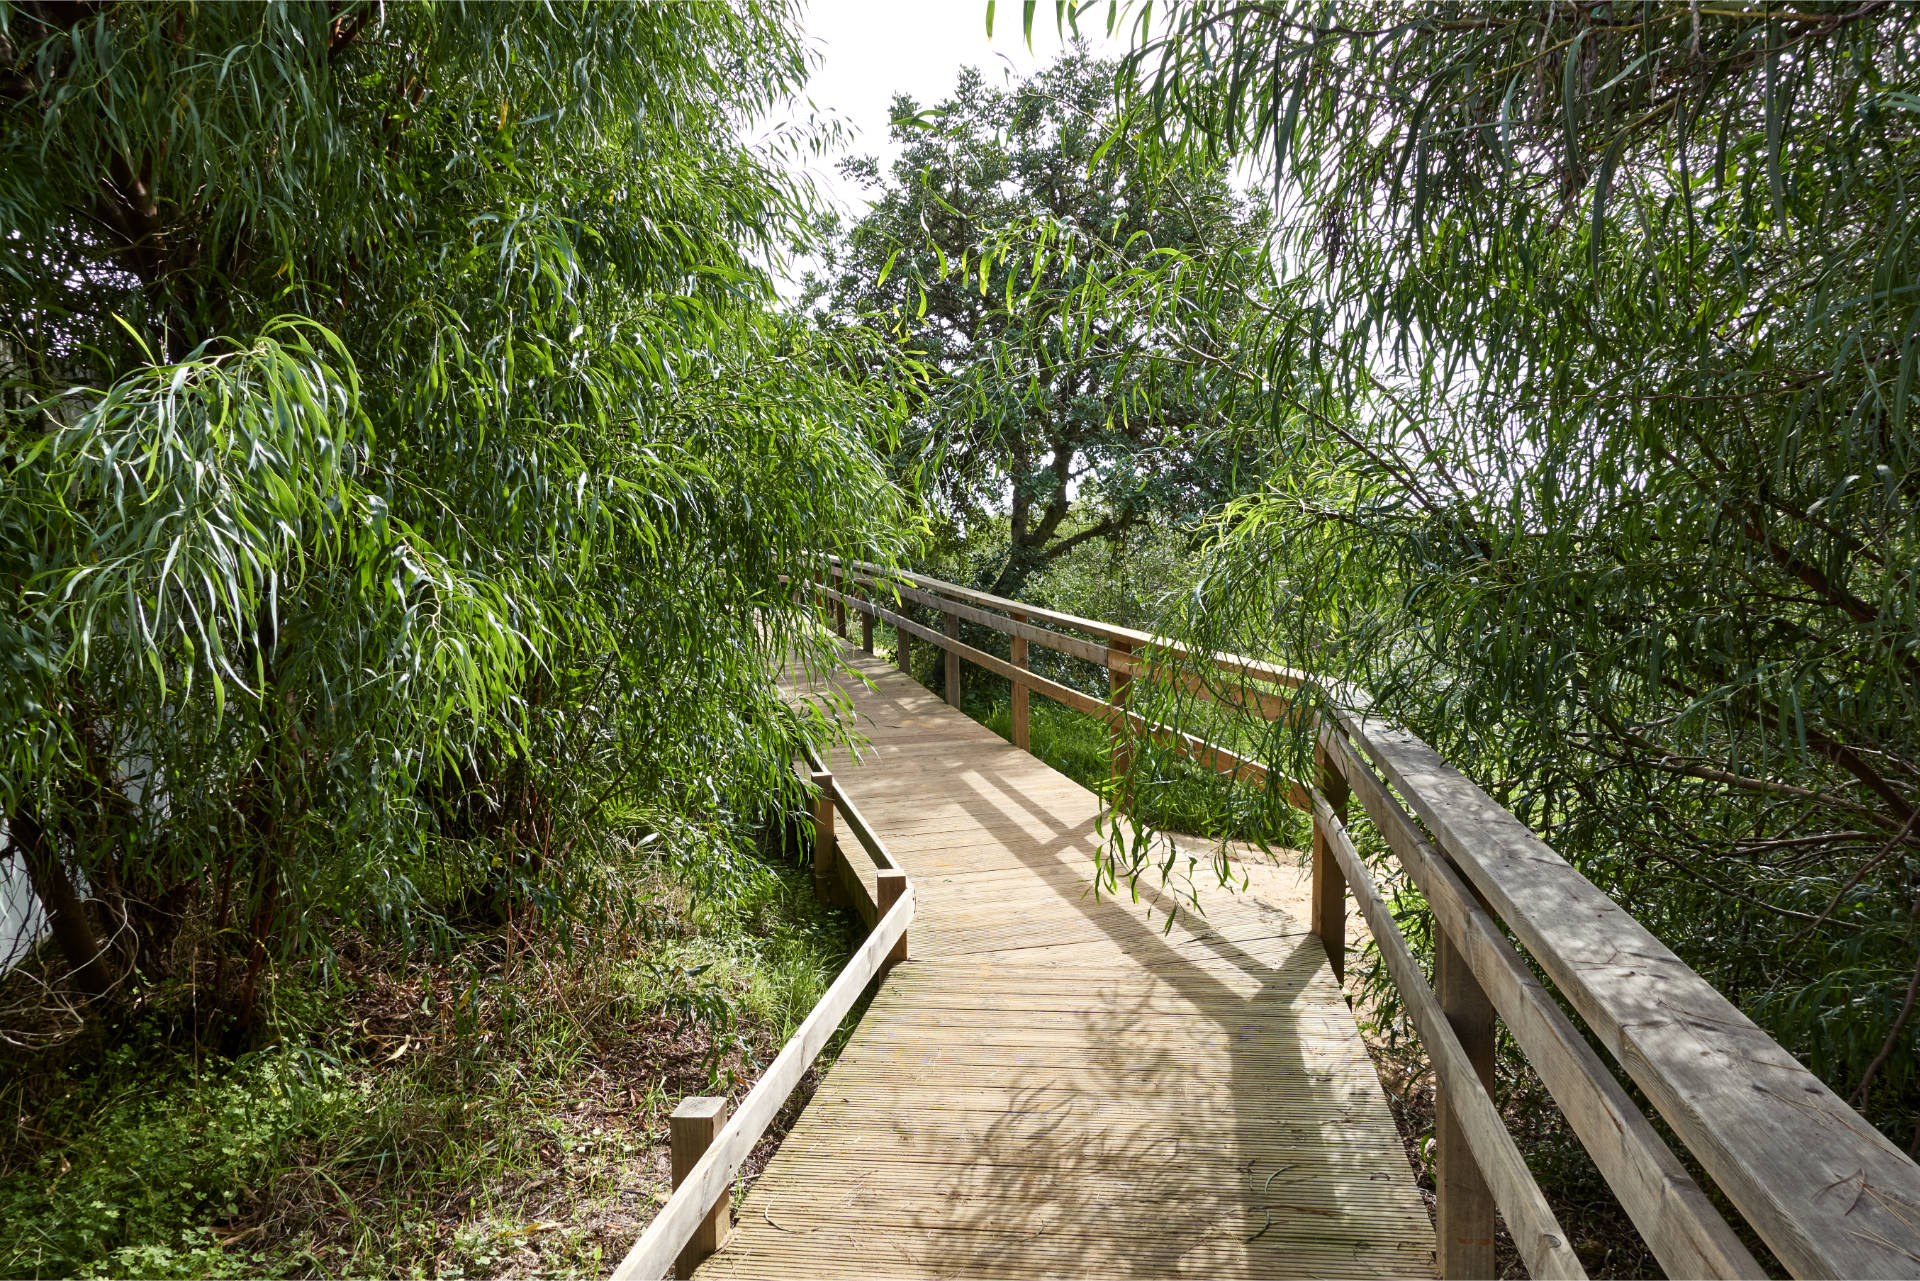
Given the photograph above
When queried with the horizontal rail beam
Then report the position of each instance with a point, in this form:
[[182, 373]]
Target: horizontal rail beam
[[1677, 1220], [1219, 759], [1536, 1232], [1251, 667], [1073, 645], [862, 830], [1827, 1192], [1065, 694], [881, 856], [1272, 707]]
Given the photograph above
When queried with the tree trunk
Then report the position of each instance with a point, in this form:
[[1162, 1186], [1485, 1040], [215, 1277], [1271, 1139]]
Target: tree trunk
[[66, 911]]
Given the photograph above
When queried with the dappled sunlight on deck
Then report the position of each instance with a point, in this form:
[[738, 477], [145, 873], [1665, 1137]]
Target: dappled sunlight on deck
[[1063, 1083]]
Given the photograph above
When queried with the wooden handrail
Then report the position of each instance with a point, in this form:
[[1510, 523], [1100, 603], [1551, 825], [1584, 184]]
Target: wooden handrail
[[712, 1177], [1828, 1193], [1536, 1232], [1127, 661], [1683, 1229], [1126, 636], [1213, 756], [842, 883]]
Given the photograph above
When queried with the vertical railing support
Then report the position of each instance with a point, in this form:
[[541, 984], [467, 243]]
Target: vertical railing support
[[902, 640], [692, 1128], [953, 662], [1464, 1208], [890, 885], [1329, 907], [1119, 688], [1020, 736], [825, 841], [866, 627], [840, 606]]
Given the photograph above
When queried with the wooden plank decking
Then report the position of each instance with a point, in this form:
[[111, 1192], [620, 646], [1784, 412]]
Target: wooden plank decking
[[1057, 1085]]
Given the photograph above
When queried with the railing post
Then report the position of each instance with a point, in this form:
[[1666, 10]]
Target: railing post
[[891, 884], [1329, 906], [901, 640], [825, 842], [1119, 686], [866, 628], [953, 662], [1020, 737], [1464, 1208], [840, 606], [692, 1128]]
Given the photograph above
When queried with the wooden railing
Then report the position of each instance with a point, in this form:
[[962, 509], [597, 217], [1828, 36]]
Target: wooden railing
[[1826, 1192], [707, 1148]]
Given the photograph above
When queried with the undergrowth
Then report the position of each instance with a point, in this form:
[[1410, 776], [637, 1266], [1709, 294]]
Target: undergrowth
[[496, 1109], [1598, 1229]]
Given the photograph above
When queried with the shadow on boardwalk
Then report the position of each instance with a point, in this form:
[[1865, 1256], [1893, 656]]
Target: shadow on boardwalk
[[1059, 1084]]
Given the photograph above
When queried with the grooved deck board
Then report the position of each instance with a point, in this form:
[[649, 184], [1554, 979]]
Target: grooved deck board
[[1065, 1083]]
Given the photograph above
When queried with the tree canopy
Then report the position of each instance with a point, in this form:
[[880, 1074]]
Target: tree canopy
[[401, 452], [1056, 436]]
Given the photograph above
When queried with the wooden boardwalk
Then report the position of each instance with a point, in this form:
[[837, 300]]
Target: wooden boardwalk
[[1057, 1085]]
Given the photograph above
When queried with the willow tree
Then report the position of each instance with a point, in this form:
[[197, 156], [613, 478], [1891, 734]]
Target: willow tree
[[400, 457], [1589, 352]]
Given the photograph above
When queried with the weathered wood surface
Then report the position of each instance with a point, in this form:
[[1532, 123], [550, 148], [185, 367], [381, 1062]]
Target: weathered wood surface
[[692, 1129], [1543, 1246], [1056, 1083], [1675, 1217], [1829, 1193]]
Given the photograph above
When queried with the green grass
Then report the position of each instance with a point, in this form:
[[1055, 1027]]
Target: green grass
[[1172, 795], [501, 1108]]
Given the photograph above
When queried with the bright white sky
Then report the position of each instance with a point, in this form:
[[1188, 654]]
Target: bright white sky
[[870, 50]]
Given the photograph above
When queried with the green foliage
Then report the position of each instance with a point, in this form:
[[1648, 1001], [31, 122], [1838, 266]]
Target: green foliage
[[763, 949], [1050, 432], [1136, 580], [1586, 358], [406, 1109], [166, 1151], [401, 454]]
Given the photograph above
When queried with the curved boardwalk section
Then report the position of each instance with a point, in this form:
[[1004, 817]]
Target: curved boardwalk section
[[1058, 1084]]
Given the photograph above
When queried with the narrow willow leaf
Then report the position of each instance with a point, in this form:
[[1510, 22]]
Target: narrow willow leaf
[[1602, 187]]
